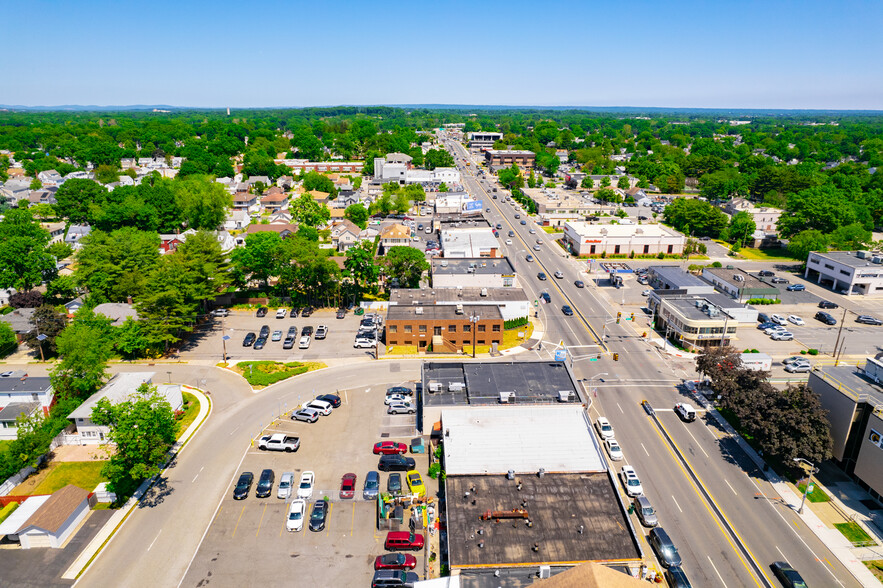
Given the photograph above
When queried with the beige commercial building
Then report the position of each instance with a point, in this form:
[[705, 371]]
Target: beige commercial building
[[587, 240]]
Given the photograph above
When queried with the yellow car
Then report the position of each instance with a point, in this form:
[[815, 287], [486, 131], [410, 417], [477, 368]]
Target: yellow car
[[415, 483]]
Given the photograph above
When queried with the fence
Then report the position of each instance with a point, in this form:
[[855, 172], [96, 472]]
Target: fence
[[16, 479]]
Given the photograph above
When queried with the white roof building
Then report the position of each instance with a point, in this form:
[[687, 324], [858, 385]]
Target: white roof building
[[586, 239], [494, 440], [474, 242]]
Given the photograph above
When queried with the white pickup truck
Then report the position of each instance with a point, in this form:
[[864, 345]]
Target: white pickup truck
[[279, 442]]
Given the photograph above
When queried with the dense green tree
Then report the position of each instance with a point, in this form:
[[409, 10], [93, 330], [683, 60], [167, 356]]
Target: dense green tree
[[107, 174], [131, 342], [319, 182], [405, 265], [142, 429], [26, 299], [60, 250], [305, 210], [203, 202], [207, 266], [623, 183], [443, 187], [608, 195], [741, 228], [24, 261], [851, 237], [723, 184], [692, 216], [510, 177], [8, 340], [259, 260], [821, 207], [114, 266], [357, 214], [47, 322], [438, 158], [801, 244], [169, 304], [84, 349], [361, 265]]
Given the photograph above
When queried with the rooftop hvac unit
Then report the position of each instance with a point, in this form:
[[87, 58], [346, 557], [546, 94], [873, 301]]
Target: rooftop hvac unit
[[418, 310], [699, 303], [435, 387], [877, 259], [459, 308], [738, 278], [484, 291], [862, 254], [507, 397], [470, 270], [565, 395], [456, 386], [444, 263]]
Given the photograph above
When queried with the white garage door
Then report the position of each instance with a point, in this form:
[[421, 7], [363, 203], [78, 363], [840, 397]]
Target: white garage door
[[36, 540]]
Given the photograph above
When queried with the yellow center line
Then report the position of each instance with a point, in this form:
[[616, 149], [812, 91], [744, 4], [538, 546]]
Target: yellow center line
[[328, 519], [237, 522], [260, 522]]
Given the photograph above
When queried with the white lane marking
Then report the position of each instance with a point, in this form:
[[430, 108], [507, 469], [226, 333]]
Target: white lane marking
[[724, 584], [782, 554], [234, 429], [197, 474], [731, 488], [697, 442], [620, 408], [676, 503], [154, 539], [645, 450]]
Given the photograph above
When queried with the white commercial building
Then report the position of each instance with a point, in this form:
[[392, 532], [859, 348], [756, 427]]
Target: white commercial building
[[847, 272], [476, 242], [584, 239], [473, 273], [404, 174]]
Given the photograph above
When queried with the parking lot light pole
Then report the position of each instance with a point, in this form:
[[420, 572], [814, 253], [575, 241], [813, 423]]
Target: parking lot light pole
[[591, 386], [224, 340], [810, 468], [474, 320]]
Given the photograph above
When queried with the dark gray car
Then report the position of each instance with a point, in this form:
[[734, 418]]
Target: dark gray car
[[265, 484], [664, 547], [372, 486], [645, 511]]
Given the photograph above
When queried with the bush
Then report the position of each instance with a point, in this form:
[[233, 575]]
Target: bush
[[7, 510], [717, 264], [434, 470], [803, 352], [264, 373], [813, 351], [515, 323]]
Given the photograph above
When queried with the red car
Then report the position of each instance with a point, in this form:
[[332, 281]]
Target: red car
[[403, 541], [395, 561], [389, 448], [348, 485]]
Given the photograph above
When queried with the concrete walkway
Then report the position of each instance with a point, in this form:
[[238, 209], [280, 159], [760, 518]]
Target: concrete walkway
[[91, 551]]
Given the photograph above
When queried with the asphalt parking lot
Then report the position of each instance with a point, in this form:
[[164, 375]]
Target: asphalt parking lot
[[247, 544], [206, 342]]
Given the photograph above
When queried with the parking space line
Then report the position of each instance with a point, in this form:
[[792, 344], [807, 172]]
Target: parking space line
[[237, 522], [353, 522], [260, 522]]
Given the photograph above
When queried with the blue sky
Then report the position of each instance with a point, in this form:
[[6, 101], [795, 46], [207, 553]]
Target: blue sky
[[719, 54]]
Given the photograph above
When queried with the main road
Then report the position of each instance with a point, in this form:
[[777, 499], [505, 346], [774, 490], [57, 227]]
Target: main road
[[726, 518]]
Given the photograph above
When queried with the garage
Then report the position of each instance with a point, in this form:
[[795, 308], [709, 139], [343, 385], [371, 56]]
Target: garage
[[55, 520]]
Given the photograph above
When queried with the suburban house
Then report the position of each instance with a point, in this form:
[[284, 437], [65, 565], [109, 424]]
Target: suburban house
[[48, 521], [237, 220], [75, 234], [22, 395], [20, 321], [392, 235], [245, 201], [319, 197], [118, 389], [50, 177], [169, 242], [284, 229], [56, 231], [43, 196], [118, 312], [274, 201], [344, 234]]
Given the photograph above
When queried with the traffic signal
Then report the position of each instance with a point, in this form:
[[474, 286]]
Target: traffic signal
[[615, 357], [633, 317], [618, 316]]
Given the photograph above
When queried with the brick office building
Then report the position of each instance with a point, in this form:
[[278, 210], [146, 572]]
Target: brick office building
[[446, 327], [505, 158]]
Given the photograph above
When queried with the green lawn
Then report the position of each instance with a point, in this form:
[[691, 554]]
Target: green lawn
[[777, 254], [263, 373], [191, 411], [4, 445], [854, 533], [84, 474], [817, 494], [876, 567], [553, 230]]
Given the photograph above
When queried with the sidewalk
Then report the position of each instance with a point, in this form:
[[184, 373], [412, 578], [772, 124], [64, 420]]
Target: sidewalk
[[119, 517], [818, 517]]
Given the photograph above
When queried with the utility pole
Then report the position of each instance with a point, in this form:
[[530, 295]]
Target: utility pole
[[840, 330], [474, 320], [810, 469]]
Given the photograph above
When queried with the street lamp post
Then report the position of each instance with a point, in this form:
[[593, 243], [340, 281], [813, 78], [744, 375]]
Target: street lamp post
[[224, 340], [810, 468], [40, 338], [474, 321], [591, 388]]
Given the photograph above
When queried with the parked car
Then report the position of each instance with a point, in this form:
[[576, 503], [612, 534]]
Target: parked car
[[262, 312], [415, 483], [793, 318], [826, 318], [605, 429], [265, 484], [296, 512], [645, 511], [676, 578], [389, 448], [277, 336], [763, 317], [613, 449], [265, 332], [782, 336], [868, 320], [395, 561], [348, 485], [645, 292], [394, 484], [401, 408], [404, 390], [403, 541], [286, 483], [796, 288], [305, 487], [307, 311], [288, 343], [372, 486], [798, 368], [567, 310], [321, 332], [395, 463], [778, 319], [776, 329], [307, 330], [787, 575], [243, 485], [260, 342], [220, 312], [320, 406], [396, 399], [249, 340], [332, 399], [304, 342], [630, 481], [308, 415], [827, 304], [523, 222], [318, 515], [779, 280], [280, 314], [793, 359], [341, 313], [765, 273], [765, 326], [664, 547]]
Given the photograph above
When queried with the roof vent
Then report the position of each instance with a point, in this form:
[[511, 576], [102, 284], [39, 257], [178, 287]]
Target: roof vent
[[484, 291], [418, 310], [877, 259], [507, 397]]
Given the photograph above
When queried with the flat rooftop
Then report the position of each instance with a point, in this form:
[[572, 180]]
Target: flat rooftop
[[524, 439], [411, 296], [509, 152], [534, 382], [441, 312], [749, 282], [852, 381], [677, 276], [849, 258], [472, 265], [559, 199], [585, 229], [558, 505]]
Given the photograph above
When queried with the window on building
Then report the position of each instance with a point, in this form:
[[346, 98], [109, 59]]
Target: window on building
[[508, 282], [452, 328], [393, 328], [670, 248], [436, 330], [481, 328], [592, 250], [480, 342], [615, 249], [409, 329], [467, 328], [844, 272], [393, 341], [646, 249], [496, 329], [422, 328], [829, 266]]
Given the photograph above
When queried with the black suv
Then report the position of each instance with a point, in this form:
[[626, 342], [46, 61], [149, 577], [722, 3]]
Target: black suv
[[265, 331], [307, 311], [397, 463], [826, 304], [318, 516], [265, 484], [765, 273], [249, 340], [243, 486], [262, 311], [826, 318], [308, 330]]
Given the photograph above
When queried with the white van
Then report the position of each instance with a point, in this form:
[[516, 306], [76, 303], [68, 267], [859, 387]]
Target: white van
[[685, 411]]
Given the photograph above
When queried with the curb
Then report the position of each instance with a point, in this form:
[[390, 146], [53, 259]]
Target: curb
[[93, 549]]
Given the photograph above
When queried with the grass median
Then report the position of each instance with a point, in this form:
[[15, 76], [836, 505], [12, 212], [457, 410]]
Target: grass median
[[260, 374]]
